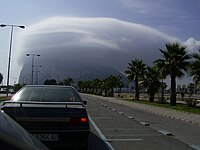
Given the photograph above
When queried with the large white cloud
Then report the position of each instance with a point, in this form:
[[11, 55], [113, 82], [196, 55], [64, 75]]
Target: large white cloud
[[103, 40], [192, 45], [72, 41]]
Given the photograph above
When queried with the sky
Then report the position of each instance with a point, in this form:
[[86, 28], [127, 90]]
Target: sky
[[148, 22]]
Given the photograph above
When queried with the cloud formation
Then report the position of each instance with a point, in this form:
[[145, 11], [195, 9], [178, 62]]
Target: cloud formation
[[97, 41], [192, 45]]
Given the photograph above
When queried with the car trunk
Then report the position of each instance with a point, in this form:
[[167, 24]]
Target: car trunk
[[48, 118], [51, 122]]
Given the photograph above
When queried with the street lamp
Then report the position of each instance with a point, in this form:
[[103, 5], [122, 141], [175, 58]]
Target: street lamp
[[9, 57], [36, 74], [33, 55], [2, 79]]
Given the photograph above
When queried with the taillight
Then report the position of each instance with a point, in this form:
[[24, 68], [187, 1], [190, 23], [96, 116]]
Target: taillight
[[77, 121], [83, 120]]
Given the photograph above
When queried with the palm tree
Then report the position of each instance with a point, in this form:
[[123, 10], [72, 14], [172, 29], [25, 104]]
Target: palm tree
[[174, 63], [113, 82], [105, 86], [120, 85], [50, 82], [195, 67], [81, 86], [89, 86], [98, 86], [69, 81], [135, 71], [151, 82]]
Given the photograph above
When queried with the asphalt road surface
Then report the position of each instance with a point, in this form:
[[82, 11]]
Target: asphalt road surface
[[115, 127]]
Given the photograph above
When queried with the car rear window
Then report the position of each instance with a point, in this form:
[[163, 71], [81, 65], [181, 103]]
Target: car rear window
[[47, 94]]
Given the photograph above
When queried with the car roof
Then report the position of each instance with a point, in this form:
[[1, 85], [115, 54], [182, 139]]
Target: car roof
[[53, 86]]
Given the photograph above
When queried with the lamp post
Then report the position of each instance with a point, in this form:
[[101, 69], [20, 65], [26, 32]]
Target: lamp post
[[32, 62], [2, 80], [36, 73], [9, 57]]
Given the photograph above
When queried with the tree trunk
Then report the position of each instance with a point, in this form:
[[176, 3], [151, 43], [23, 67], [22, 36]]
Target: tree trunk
[[106, 91], [162, 93], [120, 91], [137, 94], [173, 91], [112, 92], [151, 97]]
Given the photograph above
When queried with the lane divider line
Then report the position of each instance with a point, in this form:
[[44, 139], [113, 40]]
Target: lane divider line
[[197, 147], [110, 140], [100, 134], [130, 117], [121, 113], [145, 123], [164, 132]]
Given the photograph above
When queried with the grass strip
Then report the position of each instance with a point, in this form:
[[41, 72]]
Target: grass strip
[[179, 107], [3, 98]]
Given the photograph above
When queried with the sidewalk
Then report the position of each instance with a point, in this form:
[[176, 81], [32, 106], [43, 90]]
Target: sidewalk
[[174, 114]]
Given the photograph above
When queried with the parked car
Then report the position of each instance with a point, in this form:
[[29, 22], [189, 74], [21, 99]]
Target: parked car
[[14, 137], [56, 115]]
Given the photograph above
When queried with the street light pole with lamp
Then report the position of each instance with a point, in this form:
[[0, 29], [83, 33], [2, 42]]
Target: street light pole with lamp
[[9, 57], [36, 74], [33, 55]]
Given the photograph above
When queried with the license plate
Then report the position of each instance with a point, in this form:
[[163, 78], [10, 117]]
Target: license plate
[[47, 137]]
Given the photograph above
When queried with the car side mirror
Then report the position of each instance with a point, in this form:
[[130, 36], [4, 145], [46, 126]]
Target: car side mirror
[[85, 102]]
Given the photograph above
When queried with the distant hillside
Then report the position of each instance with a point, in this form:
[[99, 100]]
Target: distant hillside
[[62, 70]]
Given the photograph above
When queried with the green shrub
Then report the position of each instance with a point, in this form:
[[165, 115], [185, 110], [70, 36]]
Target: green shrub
[[191, 102]]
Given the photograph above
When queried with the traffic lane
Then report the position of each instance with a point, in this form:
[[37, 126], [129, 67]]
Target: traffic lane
[[1, 102], [124, 133], [183, 131], [94, 140], [94, 143]]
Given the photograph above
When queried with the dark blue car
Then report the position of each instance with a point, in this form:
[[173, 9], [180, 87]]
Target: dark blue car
[[55, 115], [14, 137]]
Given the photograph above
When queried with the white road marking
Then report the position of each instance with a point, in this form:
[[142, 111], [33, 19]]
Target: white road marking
[[102, 117], [110, 140], [100, 134], [166, 132], [124, 136], [114, 109], [121, 113], [130, 117], [145, 123], [126, 129], [197, 147], [92, 109]]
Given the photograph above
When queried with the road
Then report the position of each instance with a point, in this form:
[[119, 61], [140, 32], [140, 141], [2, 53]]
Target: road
[[123, 128], [118, 127]]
